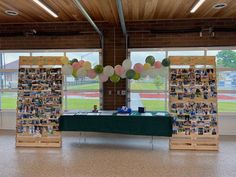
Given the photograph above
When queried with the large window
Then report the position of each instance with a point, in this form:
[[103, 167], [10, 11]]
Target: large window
[[82, 93], [224, 58], [152, 93], [148, 92], [9, 63], [79, 94], [226, 71]]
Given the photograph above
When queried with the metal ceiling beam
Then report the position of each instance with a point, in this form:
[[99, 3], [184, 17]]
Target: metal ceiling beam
[[121, 16], [86, 15]]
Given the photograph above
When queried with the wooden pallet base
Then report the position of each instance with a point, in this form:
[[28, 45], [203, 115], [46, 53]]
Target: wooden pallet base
[[196, 143], [27, 141]]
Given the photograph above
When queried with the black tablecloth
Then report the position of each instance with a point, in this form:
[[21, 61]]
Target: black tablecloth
[[135, 124]]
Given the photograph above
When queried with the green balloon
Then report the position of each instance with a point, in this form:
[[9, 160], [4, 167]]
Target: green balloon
[[74, 73], [130, 74], [136, 76], [98, 69], [150, 59], [165, 62], [115, 78], [73, 60]]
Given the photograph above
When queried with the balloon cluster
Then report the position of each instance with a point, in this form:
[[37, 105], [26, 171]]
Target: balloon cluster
[[81, 68]]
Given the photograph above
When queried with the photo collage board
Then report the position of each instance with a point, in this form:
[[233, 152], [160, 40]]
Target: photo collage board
[[193, 96], [39, 102]]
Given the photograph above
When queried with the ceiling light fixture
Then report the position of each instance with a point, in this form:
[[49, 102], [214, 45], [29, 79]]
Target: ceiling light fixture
[[219, 6], [197, 5], [11, 12], [46, 8]]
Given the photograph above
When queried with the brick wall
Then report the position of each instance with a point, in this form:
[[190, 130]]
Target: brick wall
[[152, 34], [114, 53], [72, 36], [141, 34]]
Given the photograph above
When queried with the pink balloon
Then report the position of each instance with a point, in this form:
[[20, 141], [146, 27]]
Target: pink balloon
[[103, 77], [138, 67], [119, 70], [91, 74], [157, 64], [76, 65]]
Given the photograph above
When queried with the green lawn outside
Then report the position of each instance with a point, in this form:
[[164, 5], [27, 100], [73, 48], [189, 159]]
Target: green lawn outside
[[134, 86], [8, 102], [145, 86], [81, 104], [154, 105], [227, 106], [93, 86]]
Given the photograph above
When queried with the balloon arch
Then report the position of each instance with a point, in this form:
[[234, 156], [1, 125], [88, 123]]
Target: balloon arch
[[80, 68]]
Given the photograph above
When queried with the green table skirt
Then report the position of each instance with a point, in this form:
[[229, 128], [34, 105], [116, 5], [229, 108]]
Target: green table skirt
[[133, 125]]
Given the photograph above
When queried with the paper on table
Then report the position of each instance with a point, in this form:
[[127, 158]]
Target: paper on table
[[93, 114], [106, 113], [146, 114], [160, 114], [82, 113], [68, 114], [123, 114]]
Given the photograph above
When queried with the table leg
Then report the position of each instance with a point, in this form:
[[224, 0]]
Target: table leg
[[80, 134], [152, 142], [84, 138]]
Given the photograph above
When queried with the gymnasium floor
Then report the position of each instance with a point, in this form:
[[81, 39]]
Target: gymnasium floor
[[108, 155]]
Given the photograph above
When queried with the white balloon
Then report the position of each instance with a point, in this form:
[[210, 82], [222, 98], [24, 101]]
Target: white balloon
[[127, 64], [67, 69], [144, 74], [108, 70], [152, 73], [81, 72], [123, 75]]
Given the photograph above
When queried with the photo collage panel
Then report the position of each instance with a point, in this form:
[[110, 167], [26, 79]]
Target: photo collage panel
[[195, 101], [39, 103]]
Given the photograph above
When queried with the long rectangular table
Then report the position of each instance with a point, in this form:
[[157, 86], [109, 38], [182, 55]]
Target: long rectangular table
[[135, 124]]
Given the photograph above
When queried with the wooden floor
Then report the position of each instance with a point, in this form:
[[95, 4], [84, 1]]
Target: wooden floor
[[107, 155]]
